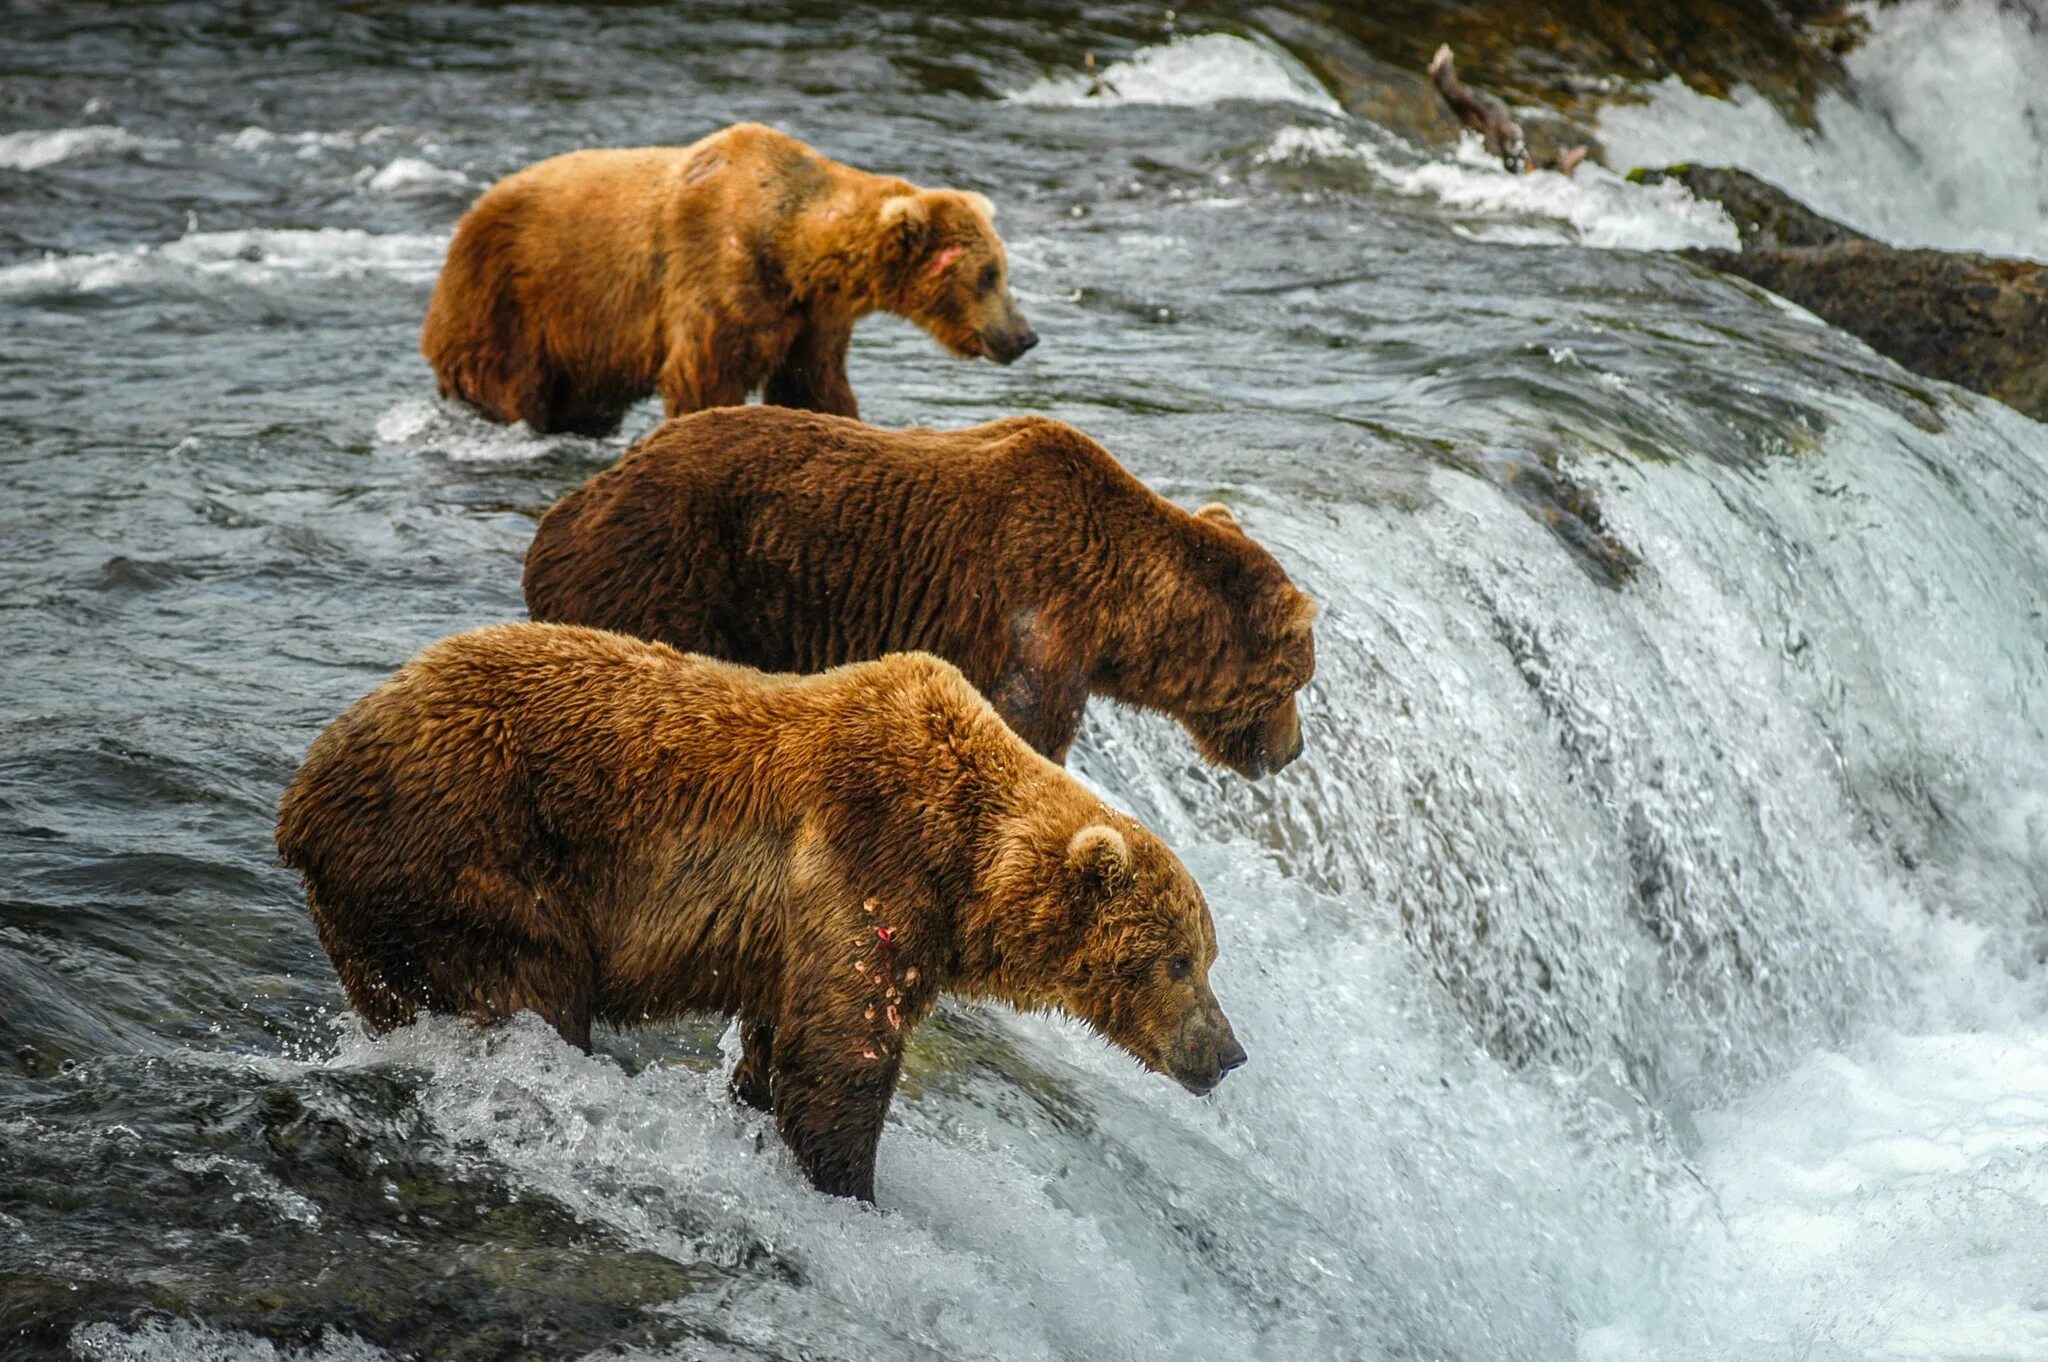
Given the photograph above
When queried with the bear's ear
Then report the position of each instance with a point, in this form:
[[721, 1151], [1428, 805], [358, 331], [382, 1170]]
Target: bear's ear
[[1100, 856], [1298, 610], [980, 203], [910, 210], [1219, 513]]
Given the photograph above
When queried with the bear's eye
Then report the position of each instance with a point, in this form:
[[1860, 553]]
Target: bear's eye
[[1179, 968], [988, 278]]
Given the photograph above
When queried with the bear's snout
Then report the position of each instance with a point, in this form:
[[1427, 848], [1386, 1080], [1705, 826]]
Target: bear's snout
[[1283, 736], [1208, 1050], [1254, 749], [1005, 347]]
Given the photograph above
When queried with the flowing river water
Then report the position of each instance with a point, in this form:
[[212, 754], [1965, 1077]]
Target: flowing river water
[[1644, 960]]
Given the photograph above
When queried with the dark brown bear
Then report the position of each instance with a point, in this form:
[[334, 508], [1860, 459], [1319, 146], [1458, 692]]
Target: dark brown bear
[[1020, 551], [578, 286], [596, 828]]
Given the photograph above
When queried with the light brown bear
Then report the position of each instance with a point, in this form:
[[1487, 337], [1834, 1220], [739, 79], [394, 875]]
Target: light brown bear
[[576, 287], [596, 828], [1020, 551]]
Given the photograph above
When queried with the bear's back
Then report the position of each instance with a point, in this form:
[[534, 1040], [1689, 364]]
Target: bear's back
[[617, 725]]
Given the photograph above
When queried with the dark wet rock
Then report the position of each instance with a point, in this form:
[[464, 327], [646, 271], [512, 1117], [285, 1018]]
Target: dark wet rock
[[289, 1209], [1978, 321], [1766, 216], [1569, 55], [1399, 98], [1975, 320]]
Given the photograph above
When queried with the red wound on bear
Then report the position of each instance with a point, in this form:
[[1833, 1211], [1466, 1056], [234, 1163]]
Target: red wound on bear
[[885, 935]]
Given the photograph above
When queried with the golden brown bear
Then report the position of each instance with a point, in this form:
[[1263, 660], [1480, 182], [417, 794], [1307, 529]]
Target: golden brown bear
[[1020, 551], [576, 287], [592, 827]]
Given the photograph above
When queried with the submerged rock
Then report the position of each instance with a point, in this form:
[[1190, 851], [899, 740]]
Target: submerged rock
[[1975, 320]]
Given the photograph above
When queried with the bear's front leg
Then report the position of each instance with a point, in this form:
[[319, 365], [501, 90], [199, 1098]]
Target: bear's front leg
[[1042, 691], [812, 376], [696, 375], [832, 1091]]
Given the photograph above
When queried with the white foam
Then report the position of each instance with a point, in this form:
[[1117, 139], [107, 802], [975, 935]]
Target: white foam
[[1209, 68], [452, 430], [252, 1184], [186, 1341], [409, 175], [306, 145], [1893, 1202], [1940, 140], [1591, 208], [35, 150], [255, 256], [972, 1254]]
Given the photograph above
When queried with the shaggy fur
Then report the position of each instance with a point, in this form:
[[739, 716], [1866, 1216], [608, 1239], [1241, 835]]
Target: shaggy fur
[[600, 829], [577, 286], [1020, 551]]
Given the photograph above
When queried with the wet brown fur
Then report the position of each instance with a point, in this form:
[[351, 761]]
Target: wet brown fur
[[579, 285], [597, 828], [1020, 550]]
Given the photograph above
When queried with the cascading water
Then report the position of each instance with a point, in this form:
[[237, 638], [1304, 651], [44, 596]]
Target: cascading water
[[1643, 960], [1940, 139]]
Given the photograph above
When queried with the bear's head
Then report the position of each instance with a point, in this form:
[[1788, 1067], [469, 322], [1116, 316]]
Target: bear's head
[[1103, 922], [951, 275], [1258, 652]]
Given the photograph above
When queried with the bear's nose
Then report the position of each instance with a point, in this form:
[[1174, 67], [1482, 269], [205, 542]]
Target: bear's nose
[[1026, 341], [1231, 1056]]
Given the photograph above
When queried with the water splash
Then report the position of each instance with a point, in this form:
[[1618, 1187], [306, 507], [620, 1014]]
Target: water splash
[[199, 262], [36, 150], [1940, 140], [1206, 69], [1592, 208]]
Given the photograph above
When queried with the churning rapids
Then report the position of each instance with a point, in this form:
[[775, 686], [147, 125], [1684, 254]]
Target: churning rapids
[[1645, 959]]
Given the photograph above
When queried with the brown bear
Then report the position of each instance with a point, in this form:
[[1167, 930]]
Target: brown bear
[[597, 828], [576, 287], [1020, 551]]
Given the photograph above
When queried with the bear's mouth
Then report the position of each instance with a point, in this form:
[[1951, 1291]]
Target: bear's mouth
[[1007, 348]]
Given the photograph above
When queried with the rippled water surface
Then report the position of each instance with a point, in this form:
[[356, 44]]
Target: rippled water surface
[[1644, 960]]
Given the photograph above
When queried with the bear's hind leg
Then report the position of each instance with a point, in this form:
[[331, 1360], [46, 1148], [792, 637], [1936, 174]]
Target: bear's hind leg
[[572, 408], [536, 978], [384, 985], [504, 950], [750, 1079]]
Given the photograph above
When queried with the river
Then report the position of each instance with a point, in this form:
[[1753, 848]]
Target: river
[[1644, 959]]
